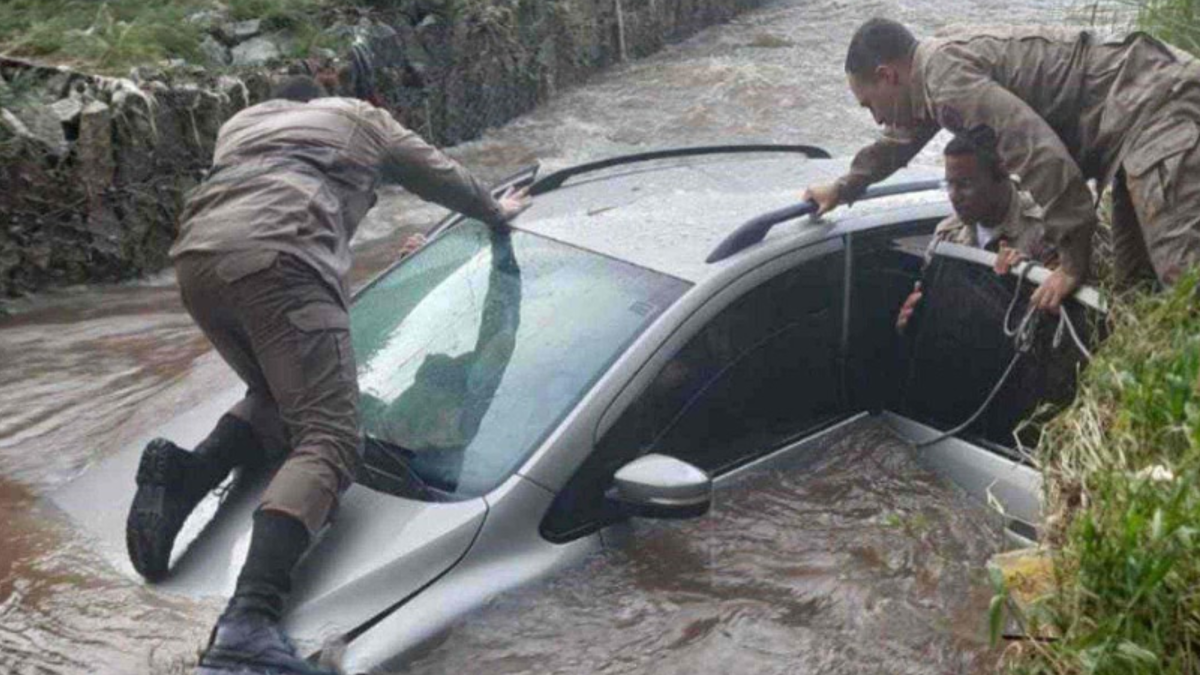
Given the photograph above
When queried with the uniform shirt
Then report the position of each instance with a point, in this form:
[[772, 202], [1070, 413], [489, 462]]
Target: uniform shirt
[[298, 178], [1066, 106], [1023, 228]]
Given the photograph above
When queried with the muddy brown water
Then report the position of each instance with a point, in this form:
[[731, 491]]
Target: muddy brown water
[[853, 560], [862, 563]]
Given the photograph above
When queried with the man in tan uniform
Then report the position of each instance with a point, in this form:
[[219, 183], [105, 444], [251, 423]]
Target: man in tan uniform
[[1066, 107], [991, 212], [262, 258]]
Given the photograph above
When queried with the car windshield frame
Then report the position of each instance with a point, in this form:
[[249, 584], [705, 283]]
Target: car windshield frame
[[473, 350]]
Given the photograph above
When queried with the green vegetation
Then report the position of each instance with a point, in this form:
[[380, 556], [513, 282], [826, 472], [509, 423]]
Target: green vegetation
[[104, 34], [114, 35], [1123, 470], [110, 36], [1176, 21]]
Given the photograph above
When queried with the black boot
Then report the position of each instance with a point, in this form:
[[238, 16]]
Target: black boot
[[249, 643], [171, 481], [247, 639]]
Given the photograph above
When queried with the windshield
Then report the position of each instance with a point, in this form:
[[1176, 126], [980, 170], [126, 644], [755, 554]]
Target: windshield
[[473, 350]]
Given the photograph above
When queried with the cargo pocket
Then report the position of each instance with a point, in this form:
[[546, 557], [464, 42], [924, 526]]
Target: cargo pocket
[[1152, 166], [326, 353], [320, 408], [320, 316]]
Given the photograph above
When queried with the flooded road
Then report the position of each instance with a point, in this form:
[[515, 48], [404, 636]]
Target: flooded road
[[83, 372], [856, 560]]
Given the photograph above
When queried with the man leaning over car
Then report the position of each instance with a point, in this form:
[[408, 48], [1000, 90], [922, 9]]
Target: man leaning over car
[[1066, 106], [262, 259]]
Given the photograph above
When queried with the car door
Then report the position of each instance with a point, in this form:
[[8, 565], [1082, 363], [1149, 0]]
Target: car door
[[957, 351], [885, 262], [761, 372]]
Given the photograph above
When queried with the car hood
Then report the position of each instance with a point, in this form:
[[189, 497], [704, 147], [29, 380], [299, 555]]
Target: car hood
[[381, 550]]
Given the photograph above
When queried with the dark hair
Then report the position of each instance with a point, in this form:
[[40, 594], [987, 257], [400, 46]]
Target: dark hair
[[876, 42], [979, 141], [301, 88]]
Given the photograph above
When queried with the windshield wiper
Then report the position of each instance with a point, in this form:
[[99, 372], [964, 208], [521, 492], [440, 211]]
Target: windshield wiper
[[385, 468]]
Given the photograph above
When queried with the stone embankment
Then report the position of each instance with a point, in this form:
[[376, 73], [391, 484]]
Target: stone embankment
[[93, 170]]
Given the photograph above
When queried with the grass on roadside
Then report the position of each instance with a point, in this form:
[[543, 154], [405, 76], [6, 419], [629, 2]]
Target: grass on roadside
[[112, 36], [1122, 466], [1176, 21]]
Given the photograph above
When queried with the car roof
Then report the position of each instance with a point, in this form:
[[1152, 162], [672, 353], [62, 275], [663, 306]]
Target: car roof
[[668, 215]]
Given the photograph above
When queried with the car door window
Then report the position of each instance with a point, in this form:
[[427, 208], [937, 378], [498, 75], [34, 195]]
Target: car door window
[[956, 351], [762, 373]]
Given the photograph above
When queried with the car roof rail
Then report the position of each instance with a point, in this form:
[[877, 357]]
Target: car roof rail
[[523, 177], [555, 180], [755, 230]]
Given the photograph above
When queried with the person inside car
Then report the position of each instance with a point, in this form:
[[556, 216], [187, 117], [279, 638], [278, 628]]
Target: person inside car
[[991, 212]]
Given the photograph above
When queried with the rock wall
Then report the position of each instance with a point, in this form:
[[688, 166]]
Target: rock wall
[[93, 170]]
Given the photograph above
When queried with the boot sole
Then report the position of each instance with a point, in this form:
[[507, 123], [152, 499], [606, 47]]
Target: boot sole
[[234, 668], [243, 670], [146, 529]]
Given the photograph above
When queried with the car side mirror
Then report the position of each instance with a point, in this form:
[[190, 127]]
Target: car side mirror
[[658, 486]]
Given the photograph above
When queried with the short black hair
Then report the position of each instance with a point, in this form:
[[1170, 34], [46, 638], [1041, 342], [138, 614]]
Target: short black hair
[[876, 42], [980, 142], [300, 88]]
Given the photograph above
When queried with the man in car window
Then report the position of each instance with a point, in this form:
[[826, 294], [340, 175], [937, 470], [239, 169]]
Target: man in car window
[[1066, 106], [262, 259], [991, 212]]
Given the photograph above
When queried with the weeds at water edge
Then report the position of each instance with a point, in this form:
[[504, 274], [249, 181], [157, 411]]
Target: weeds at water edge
[[1122, 466]]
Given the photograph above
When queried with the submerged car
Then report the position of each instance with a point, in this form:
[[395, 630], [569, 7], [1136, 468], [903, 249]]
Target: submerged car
[[653, 325]]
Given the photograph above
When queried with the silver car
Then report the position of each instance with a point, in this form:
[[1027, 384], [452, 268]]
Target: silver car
[[652, 325]]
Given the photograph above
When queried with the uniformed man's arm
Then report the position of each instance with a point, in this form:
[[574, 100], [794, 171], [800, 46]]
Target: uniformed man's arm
[[428, 173], [890, 153], [1029, 148]]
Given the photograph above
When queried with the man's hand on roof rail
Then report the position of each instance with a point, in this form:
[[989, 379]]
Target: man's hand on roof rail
[[1058, 287], [824, 196], [513, 202]]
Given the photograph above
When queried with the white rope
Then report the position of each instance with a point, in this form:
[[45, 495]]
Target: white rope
[[1023, 342], [1022, 336], [1065, 321], [988, 401], [1014, 332]]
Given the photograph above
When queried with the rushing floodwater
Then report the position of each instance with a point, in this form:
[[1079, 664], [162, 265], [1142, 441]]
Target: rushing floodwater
[[856, 561], [862, 560]]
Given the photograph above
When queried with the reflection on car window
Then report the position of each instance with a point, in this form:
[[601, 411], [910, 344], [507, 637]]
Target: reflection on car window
[[471, 351], [762, 373]]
